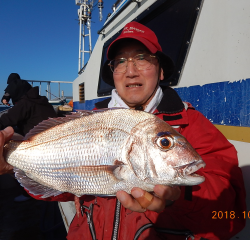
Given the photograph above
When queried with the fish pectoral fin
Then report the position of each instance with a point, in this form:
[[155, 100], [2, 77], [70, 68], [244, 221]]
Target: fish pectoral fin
[[102, 174], [34, 187], [91, 170]]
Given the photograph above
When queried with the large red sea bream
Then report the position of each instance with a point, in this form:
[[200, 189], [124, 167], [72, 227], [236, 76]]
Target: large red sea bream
[[102, 152]]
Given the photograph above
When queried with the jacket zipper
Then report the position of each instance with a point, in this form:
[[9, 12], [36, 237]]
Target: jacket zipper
[[116, 220], [89, 215]]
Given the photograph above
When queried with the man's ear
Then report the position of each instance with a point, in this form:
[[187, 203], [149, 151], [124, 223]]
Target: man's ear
[[161, 77]]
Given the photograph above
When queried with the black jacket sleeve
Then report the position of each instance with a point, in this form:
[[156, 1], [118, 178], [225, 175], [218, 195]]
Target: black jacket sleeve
[[14, 115]]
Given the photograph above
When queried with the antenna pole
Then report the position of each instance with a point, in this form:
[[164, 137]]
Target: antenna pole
[[84, 16], [100, 6], [80, 11]]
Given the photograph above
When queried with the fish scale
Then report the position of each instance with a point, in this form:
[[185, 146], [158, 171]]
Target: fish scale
[[101, 153]]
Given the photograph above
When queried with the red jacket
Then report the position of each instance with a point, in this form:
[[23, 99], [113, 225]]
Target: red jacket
[[211, 210]]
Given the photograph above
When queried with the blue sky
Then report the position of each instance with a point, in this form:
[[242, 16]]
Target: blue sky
[[39, 40]]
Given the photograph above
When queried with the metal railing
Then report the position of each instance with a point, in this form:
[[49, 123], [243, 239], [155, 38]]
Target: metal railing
[[49, 87]]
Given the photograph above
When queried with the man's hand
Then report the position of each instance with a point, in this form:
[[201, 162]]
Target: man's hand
[[142, 200], [5, 136]]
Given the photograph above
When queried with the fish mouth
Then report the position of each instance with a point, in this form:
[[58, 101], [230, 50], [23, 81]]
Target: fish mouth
[[187, 172]]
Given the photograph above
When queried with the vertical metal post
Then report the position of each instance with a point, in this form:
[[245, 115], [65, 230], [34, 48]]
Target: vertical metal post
[[80, 38], [83, 42], [49, 92], [90, 45], [40, 88], [100, 6], [59, 90], [47, 89]]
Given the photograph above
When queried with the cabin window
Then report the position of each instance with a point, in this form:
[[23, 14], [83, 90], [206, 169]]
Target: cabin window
[[173, 21], [81, 93]]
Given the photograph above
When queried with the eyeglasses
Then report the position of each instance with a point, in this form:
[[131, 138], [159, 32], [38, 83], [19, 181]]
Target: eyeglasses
[[140, 61]]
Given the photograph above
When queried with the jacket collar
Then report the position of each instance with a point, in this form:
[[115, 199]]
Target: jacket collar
[[171, 108], [103, 104], [171, 102]]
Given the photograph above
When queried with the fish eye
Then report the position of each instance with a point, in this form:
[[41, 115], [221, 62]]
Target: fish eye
[[165, 142]]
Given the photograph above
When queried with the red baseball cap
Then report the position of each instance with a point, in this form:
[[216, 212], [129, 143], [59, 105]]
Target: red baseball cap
[[141, 33], [148, 38]]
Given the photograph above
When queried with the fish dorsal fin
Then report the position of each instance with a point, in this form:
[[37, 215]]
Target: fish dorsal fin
[[90, 112], [52, 122], [34, 187]]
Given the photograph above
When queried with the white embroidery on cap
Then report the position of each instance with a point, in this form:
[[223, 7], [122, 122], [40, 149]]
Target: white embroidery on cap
[[130, 30]]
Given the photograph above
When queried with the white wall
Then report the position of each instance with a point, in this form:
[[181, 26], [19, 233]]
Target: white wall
[[221, 44]]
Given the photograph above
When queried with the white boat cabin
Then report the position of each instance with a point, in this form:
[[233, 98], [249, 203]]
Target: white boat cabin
[[209, 43]]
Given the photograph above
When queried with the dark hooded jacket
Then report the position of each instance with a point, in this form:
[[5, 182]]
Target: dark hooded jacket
[[16, 88], [30, 110]]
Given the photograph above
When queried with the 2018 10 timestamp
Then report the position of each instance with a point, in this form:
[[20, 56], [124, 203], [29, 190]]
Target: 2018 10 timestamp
[[230, 215]]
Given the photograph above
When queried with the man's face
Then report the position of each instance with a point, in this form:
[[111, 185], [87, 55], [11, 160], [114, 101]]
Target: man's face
[[136, 87]]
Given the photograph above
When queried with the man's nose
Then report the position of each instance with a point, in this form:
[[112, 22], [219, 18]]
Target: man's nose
[[131, 68]]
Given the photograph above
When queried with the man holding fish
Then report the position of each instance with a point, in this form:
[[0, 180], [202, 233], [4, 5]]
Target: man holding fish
[[170, 201]]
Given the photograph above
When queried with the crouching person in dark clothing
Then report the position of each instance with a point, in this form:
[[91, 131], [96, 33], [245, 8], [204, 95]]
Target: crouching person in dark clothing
[[16, 89], [29, 110], [29, 107]]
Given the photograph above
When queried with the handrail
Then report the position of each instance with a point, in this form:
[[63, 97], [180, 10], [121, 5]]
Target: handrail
[[48, 86]]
